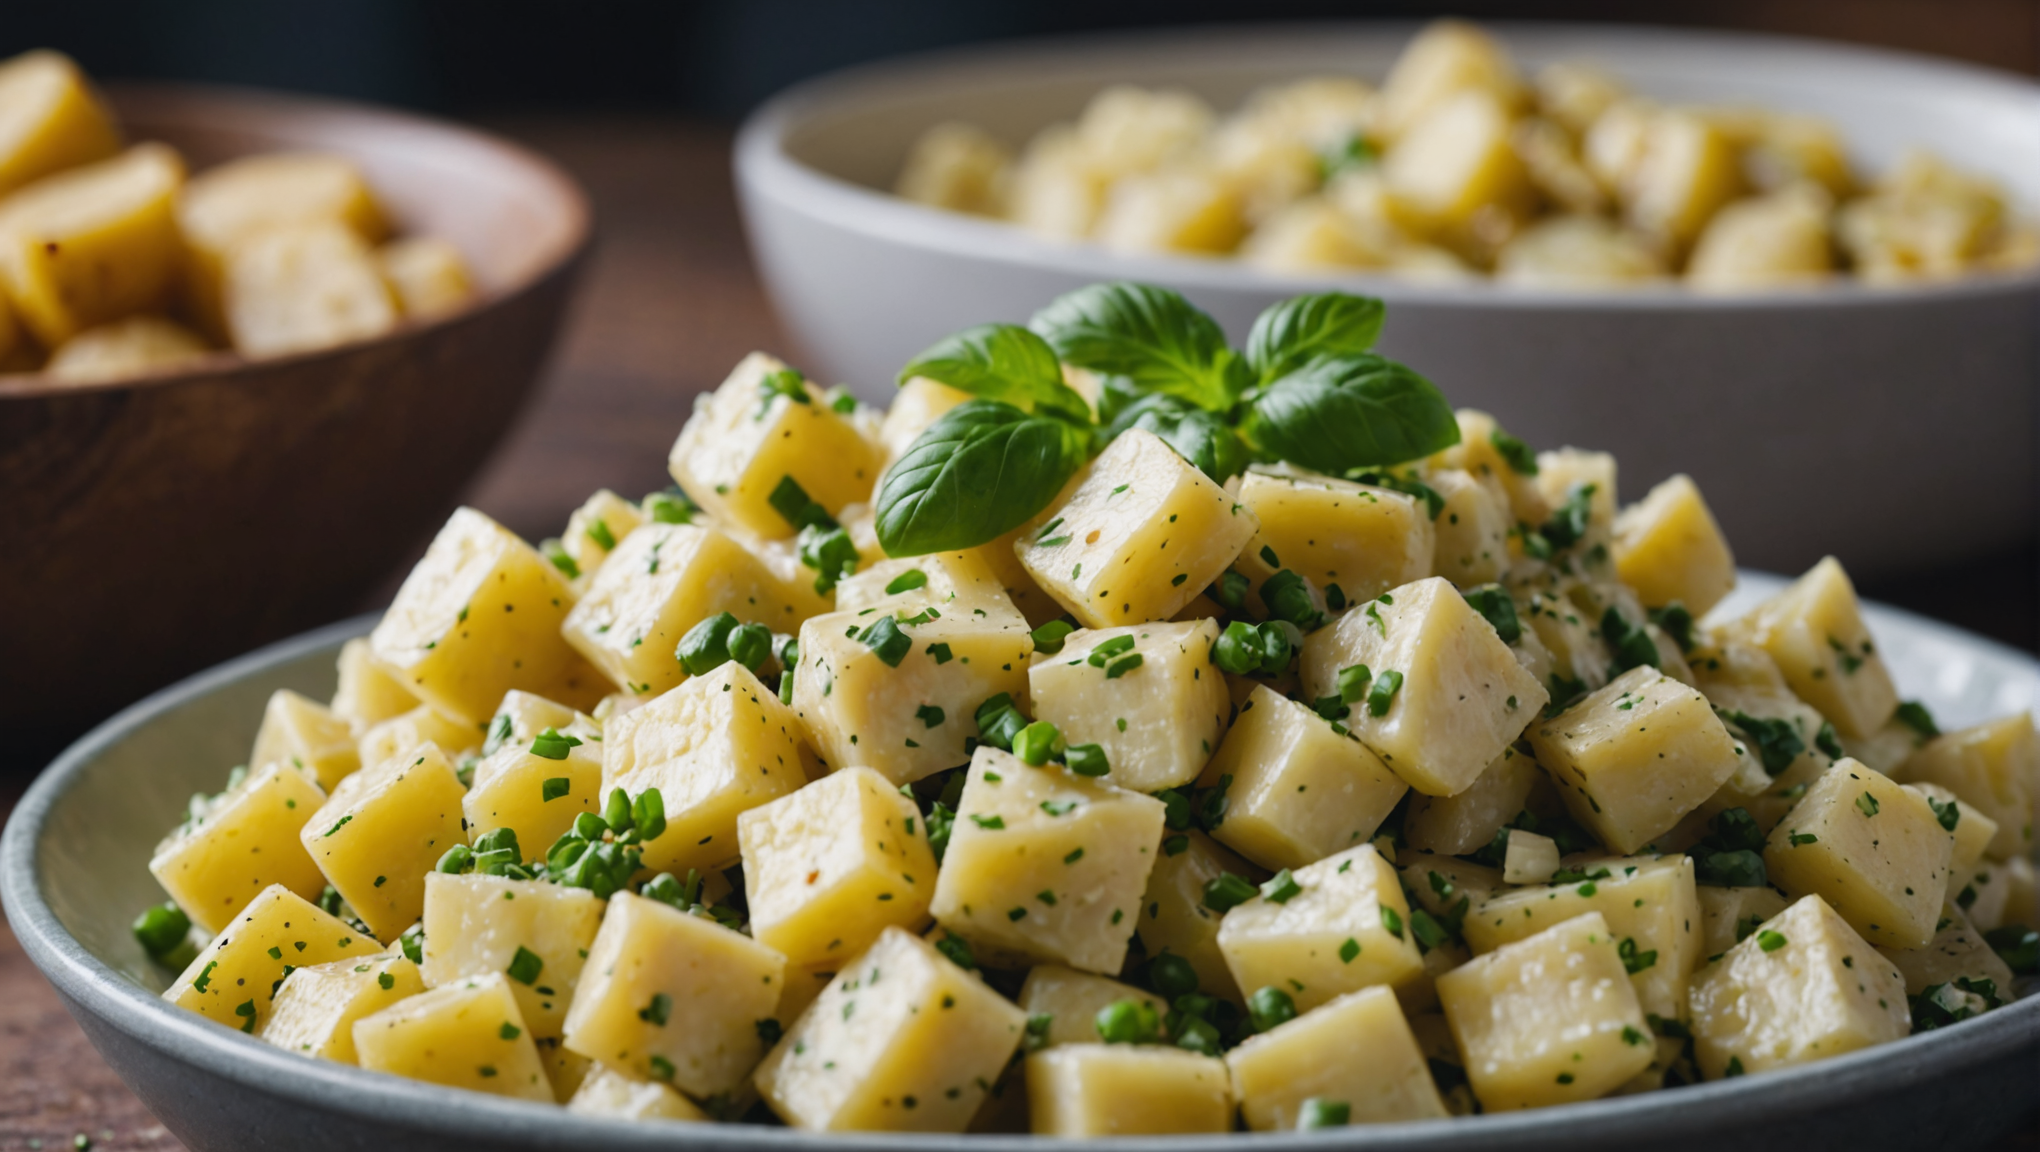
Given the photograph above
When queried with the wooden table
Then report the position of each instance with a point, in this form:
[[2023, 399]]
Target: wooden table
[[671, 303]]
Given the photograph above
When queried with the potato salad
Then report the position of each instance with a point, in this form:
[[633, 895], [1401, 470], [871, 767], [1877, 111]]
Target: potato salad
[[1460, 166], [1126, 733]]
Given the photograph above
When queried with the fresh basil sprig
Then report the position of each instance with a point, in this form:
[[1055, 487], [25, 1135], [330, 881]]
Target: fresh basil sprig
[[1350, 411], [1156, 339], [1303, 328], [975, 474], [1002, 362], [1203, 438]]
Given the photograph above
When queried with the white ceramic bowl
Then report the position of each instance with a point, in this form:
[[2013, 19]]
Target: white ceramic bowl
[[1892, 427]]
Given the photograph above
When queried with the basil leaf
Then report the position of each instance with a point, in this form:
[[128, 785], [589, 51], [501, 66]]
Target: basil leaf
[[1202, 438], [1151, 336], [972, 476], [1001, 362], [1343, 412], [1303, 328]]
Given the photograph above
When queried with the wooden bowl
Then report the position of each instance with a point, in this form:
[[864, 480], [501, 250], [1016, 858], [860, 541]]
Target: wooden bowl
[[159, 524]]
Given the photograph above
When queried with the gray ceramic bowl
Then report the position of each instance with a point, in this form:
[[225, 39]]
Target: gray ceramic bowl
[[73, 871], [1855, 409]]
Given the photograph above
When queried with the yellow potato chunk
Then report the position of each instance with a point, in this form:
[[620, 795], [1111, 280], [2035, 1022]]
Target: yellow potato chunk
[[1296, 790], [1548, 1019], [428, 275], [744, 441], [1958, 951], [1446, 58], [234, 979], [675, 998], [1456, 164], [1057, 188], [1968, 840], [715, 747], [1463, 696], [1357, 1050], [133, 346], [1174, 210], [1994, 766], [607, 1092], [1635, 756], [1173, 915], [522, 716], [1728, 915], [946, 579], [421, 725], [302, 287], [593, 531], [243, 844], [1651, 906], [829, 867], [1774, 241], [1360, 539], [1529, 858], [92, 244], [368, 693], [534, 796], [1669, 549], [1687, 170], [1463, 824], [1083, 1090], [308, 737], [1072, 1000], [50, 119], [1046, 865], [477, 924], [1875, 851], [1471, 532], [464, 1035], [1346, 930], [479, 616], [908, 706], [959, 167], [315, 1009], [1815, 631], [1158, 718], [1577, 252], [1804, 987], [382, 830], [1136, 538]]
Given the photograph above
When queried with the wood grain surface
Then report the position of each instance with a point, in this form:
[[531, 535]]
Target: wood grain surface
[[670, 303]]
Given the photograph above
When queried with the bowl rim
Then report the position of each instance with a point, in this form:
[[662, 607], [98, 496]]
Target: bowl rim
[[560, 188], [767, 170], [89, 984]]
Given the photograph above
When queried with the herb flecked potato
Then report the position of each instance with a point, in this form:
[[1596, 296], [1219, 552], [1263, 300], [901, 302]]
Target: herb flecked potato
[[1269, 811]]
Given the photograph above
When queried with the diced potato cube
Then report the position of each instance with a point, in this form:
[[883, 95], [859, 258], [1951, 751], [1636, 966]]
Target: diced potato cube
[[744, 441], [307, 736], [313, 1013], [244, 844], [1357, 1050], [1805, 987], [948, 581], [1158, 718], [1873, 850], [1118, 524], [477, 924], [1650, 904], [1346, 930], [1447, 887], [1126, 129], [1298, 791], [1446, 58], [303, 287], [607, 1092], [1471, 532], [93, 243], [1174, 210], [1568, 470], [117, 349], [902, 1040], [1815, 631], [594, 529], [1887, 749], [1958, 951], [957, 166], [1994, 766], [369, 693], [1335, 533], [1687, 171], [1082, 1090], [1046, 865], [1529, 858], [906, 711], [1728, 915], [464, 1035], [1669, 549], [234, 979], [1173, 915], [1549, 1019], [523, 716], [1072, 1000], [1970, 837], [50, 119], [421, 725], [1780, 240], [1577, 252], [1635, 756], [1058, 188], [1571, 642], [671, 997], [716, 747], [479, 616], [1463, 696], [382, 830], [1466, 823], [919, 403], [829, 867], [662, 580], [1457, 164], [428, 275]]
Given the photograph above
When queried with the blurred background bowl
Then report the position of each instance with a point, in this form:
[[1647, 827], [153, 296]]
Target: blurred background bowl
[[1893, 427], [159, 524]]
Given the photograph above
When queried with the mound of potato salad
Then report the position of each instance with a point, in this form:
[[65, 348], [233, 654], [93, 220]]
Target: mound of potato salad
[[1125, 733]]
